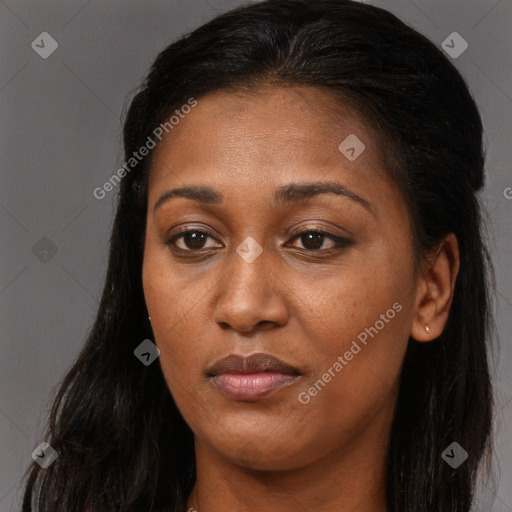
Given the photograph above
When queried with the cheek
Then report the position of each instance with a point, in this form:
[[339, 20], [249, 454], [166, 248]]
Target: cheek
[[173, 318], [339, 306], [357, 324]]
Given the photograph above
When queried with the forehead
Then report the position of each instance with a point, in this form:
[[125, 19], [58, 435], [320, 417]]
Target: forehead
[[272, 129], [247, 145]]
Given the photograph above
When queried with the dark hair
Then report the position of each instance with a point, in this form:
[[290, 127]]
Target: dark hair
[[122, 443]]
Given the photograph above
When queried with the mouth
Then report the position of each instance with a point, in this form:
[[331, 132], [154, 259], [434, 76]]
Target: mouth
[[250, 378]]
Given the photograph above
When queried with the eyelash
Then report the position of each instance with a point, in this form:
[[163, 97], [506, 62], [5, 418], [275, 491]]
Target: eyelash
[[340, 242]]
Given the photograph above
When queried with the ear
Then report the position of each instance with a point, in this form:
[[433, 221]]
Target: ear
[[435, 291]]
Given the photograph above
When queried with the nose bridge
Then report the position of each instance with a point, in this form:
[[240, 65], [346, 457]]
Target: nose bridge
[[246, 278], [248, 290]]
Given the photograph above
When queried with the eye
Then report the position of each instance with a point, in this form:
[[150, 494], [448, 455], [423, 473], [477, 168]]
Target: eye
[[192, 239], [313, 240]]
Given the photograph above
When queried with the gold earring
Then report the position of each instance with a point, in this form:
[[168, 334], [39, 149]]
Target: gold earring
[[149, 318], [427, 328]]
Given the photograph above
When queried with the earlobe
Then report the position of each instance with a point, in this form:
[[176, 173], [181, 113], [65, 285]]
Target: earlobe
[[435, 291]]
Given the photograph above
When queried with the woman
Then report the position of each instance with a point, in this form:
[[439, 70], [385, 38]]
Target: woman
[[296, 309]]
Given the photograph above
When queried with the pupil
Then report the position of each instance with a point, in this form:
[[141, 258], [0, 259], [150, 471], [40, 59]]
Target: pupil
[[194, 240], [315, 240]]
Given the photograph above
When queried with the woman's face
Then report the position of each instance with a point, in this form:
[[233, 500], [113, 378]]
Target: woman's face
[[228, 272]]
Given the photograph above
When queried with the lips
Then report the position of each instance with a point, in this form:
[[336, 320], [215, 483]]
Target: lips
[[255, 363], [251, 377]]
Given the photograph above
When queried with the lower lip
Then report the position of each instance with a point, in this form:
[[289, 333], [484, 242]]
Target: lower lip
[[252, 386]]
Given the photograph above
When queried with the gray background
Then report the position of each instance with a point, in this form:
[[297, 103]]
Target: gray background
[[60, 138]]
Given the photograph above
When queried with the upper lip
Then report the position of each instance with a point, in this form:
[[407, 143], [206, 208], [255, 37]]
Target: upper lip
[[254, 363]]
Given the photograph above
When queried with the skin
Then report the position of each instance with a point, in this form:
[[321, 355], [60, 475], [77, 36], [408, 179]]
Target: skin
[[295, 301]]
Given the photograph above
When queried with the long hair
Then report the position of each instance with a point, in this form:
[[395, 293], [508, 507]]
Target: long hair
[[122, 443]]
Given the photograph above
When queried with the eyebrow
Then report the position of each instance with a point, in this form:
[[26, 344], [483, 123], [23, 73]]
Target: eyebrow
[[287, 194]]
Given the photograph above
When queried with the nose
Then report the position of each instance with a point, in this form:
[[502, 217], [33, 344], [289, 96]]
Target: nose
[[251, 296]]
